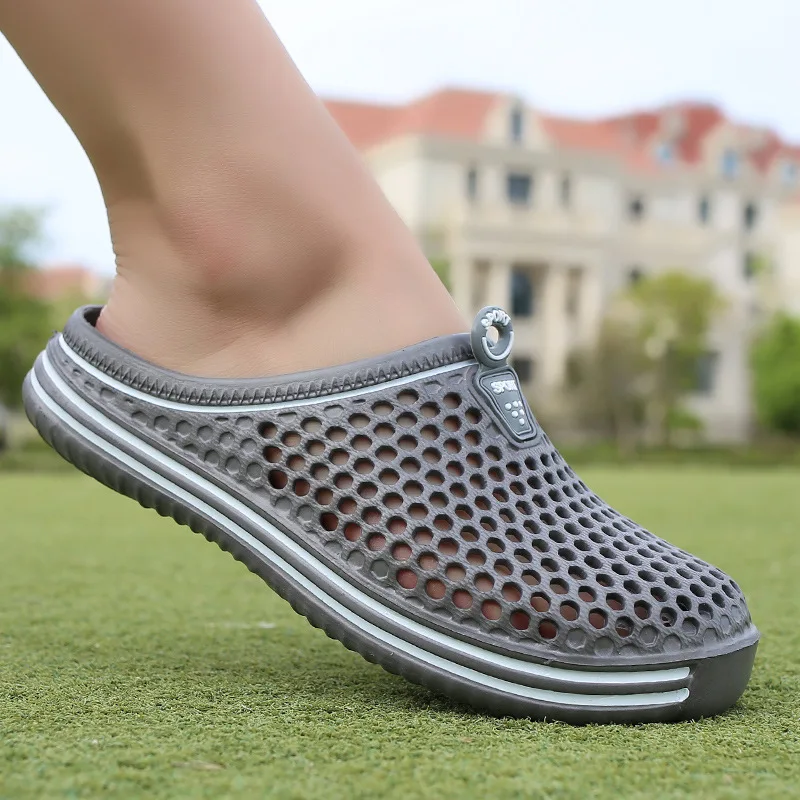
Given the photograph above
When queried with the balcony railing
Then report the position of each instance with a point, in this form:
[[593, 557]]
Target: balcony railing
[[526, 219]]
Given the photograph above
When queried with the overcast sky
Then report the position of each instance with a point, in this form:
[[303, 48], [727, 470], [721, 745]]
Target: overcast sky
[[583, 57]]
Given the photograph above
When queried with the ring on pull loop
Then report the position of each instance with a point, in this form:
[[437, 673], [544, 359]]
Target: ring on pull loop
[[492, 354]]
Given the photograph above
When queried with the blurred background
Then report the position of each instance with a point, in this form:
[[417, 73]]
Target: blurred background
[[623, 177]]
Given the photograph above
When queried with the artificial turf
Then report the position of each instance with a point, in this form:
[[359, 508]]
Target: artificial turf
[[137, 660]]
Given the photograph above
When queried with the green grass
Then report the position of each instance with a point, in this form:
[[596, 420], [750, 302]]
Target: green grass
[[136, 660]]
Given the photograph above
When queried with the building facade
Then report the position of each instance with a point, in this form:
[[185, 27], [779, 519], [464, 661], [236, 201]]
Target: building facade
[[552, 217]]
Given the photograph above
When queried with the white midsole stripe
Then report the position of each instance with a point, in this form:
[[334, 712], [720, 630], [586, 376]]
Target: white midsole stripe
[[610, 679], [221, 410]]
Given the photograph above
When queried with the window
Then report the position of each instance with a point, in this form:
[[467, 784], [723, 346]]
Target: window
[[730, 163], [518, 188], [480, 285], [525, 368], [789, 173], [750, 216], [566, 191], [522, 293], [573, 298], [472, 183], [635, 274], [749, 265], [704, 210], [636, 208], [706, 372], [665, 153], [516, 125]]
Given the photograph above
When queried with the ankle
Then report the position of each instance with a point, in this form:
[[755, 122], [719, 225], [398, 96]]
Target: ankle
[[238, 315]]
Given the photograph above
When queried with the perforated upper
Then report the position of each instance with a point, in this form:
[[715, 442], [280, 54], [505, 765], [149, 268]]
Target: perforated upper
[[421, 493], [417, 494]]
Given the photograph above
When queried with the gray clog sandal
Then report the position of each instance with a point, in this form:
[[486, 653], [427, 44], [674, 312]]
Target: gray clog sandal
[[412, 508]]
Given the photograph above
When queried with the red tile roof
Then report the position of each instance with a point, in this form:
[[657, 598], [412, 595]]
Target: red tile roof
[[699, 120], [462, 114], [576, 134], [636, 126], [456, 113], [65, 280], [451, 113], [773, 148], [364, 123]]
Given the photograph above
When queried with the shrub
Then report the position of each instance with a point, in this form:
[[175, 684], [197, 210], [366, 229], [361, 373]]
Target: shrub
[[776, 375]]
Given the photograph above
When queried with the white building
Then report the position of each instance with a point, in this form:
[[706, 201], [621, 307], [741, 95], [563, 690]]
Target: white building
[[550, 217]]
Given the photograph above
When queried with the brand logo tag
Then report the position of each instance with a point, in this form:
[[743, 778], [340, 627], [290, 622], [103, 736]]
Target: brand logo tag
[[498, 387], [503, 390]]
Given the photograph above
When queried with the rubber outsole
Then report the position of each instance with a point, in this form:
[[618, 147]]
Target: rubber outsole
[[680, 690]]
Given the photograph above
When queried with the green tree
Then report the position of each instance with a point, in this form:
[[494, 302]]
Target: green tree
[[606, 383], [646, 357], [24, 320], [674, 311], [776, 375]]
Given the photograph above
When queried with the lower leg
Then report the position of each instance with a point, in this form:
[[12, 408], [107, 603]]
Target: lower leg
[[249, 236]]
